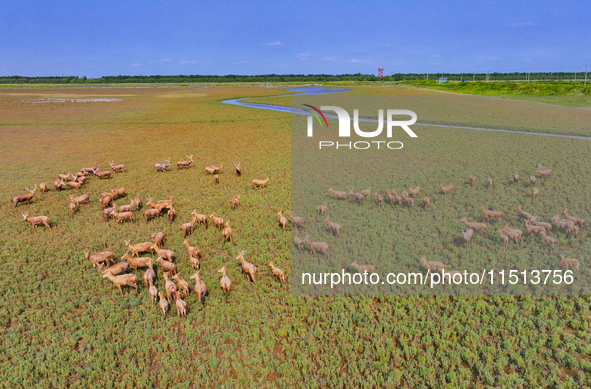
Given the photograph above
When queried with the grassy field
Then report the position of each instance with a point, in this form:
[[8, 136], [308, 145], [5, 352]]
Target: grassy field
[[62, 325]]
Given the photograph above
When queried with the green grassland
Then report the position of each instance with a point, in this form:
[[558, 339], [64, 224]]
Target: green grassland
[[62, 325]]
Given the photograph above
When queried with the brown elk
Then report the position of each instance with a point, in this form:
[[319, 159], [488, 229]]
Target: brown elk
[[534, 229], [426, 202], [227, 233], [64, 177], [379, 199], [481, 227], [90, 170], [149, 274], [547, 226], [390, 196], [117, 168], [548, 239], [151, 213], [80, 199], [357, 196], [277, 272], [567, 263], [338, 194], [138, 248], [153, 291], [123, 216], [282, 219], [235, 202], [105, 256], [73, 206], [532, 180], [366, 192], [73, 185], [225, 282], [213, 169], [431, 265], [193, 251], [238, 168], [163, 253], [218, 222], [471, 180], [117, 192], [158, 238], [248, 268], [169, 287], [317, 246], [216, 179], [35, 220], [534, 192], [137, 202], [161, 167], [108, 212], [468, 233], [333, 227], [298, 241], [171, 214], [185, 164], [489, 182], [182, 284], [103, 175], [126, 208], [106, 200], [122, 280], [298, 221], [515, 178], [363, 268], [446, 189], [166, 266], [116, 269], [194, 262], [187, 228], [158, 206], [260, 183], [523, 214], [491, 214], [574, 219], [163, 303], [181, 306], [201, 218], [26, 197], [543, 171], [58, 184], [200, 287], [410, 201], [137, 262], [43, 187], [504, 238], [513, 234], [414, 190]]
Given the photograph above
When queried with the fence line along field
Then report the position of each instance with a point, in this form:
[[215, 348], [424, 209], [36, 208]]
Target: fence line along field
[[65, 323]]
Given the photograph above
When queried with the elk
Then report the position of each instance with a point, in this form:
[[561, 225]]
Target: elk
[[513, 234], [26, 197], [218, 222], [139, 247], [523, 214], [74, 184], [543, 171], [182, 284], [547, 226], [431, 265], [277, 272], [357, 196], [161, 167], [163, 253], [172, 214], [103, 175], [158, 206], [574, 219], [534, 229], [137, 262], [489, 182], [366, 192], [409, 201], [298, 221], [363, 268], [404, 195], [260, 183], [481, 227], [567, 263], [532, 180], [166, 266], [282, 220], [121, 216], [185, 164], [117, 168], [298, 241], [446, 189], [158, 238], [149, 274], [73, 206], [58, 184], [534, 192], [193, 252], [200, 287], [504, 238], [80, 199], [124, 279], [116, 269], [426, 202], [106, 200], [213, 169], [248, 268], [117, 192], [181, 306], [105, 256], [379, 199], [235, 202], [471, 179], [64, 177], [515, 178], [238, 168], [201, 218], [225, 282], [491, 214], [390, 196], [216, 179], [126, 208], [90, 170], [548, 239], [36, 220], [43, 187], [108, 212], [227, 233], [468, 233], [333, 226], [338, 194], [414, 190], [153, 291], [194, 262], [163, 304], [169, 286], [137, 202], [317, 246], [151, 213]]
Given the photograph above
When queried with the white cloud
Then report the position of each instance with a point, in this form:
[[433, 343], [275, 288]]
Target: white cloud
[[188, 62], [276, 43], [165, 60], [436, 55]]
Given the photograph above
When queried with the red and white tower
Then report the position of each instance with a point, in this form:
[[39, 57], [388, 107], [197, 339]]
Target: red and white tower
[[381, 72]]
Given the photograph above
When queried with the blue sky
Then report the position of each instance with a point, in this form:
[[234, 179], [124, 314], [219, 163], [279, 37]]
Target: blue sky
[[93, 39]]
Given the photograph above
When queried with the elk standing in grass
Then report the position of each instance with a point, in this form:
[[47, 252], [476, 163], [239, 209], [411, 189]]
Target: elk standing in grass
[[213, 169], [568, 226], [225, 282], [90, 170], [139, 247], [532, 180], [216, 179], [122, 216], [185, 164], [126, 208], [379, 199], [468, 233], [73, 206], [117, 168], [105, 200], [137, 202], [122, 280], [235, 202], [317, 246], [282, 220], [166, 265], [149, 274], [58, 184], [163, 253], [504, 238], [181, 306], [118, 192], [227, 234], [169, 286], [567, 263], [200, 287], [431, 265], [158, 238], [35, 220], [357, 196], [480, 227], [489, 182], [238, 168], [137, 262], [534, 192], [426, 201], [116, 269], [492, 214], [26, 197], [108, 212], [163, 304], [471, 180], [171, 214], [547, 226], [201, 218], [523, 214], [193, 251], [248, 268], [446, 188], [74, 184], [548, 239], [151, 213], [103, 175], [414, 190], [218, 222], [161, 167], [366, 192], [153, 291], [574, 219], [533, 229], [332, 227], [298, 221], [43, 187], [260, 183], [182, 284], [105, 256], [64, 177], [80, 199], [515, 178], [363, 268], [543, 171], [277, 272], [512, 234], [338, 194]]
